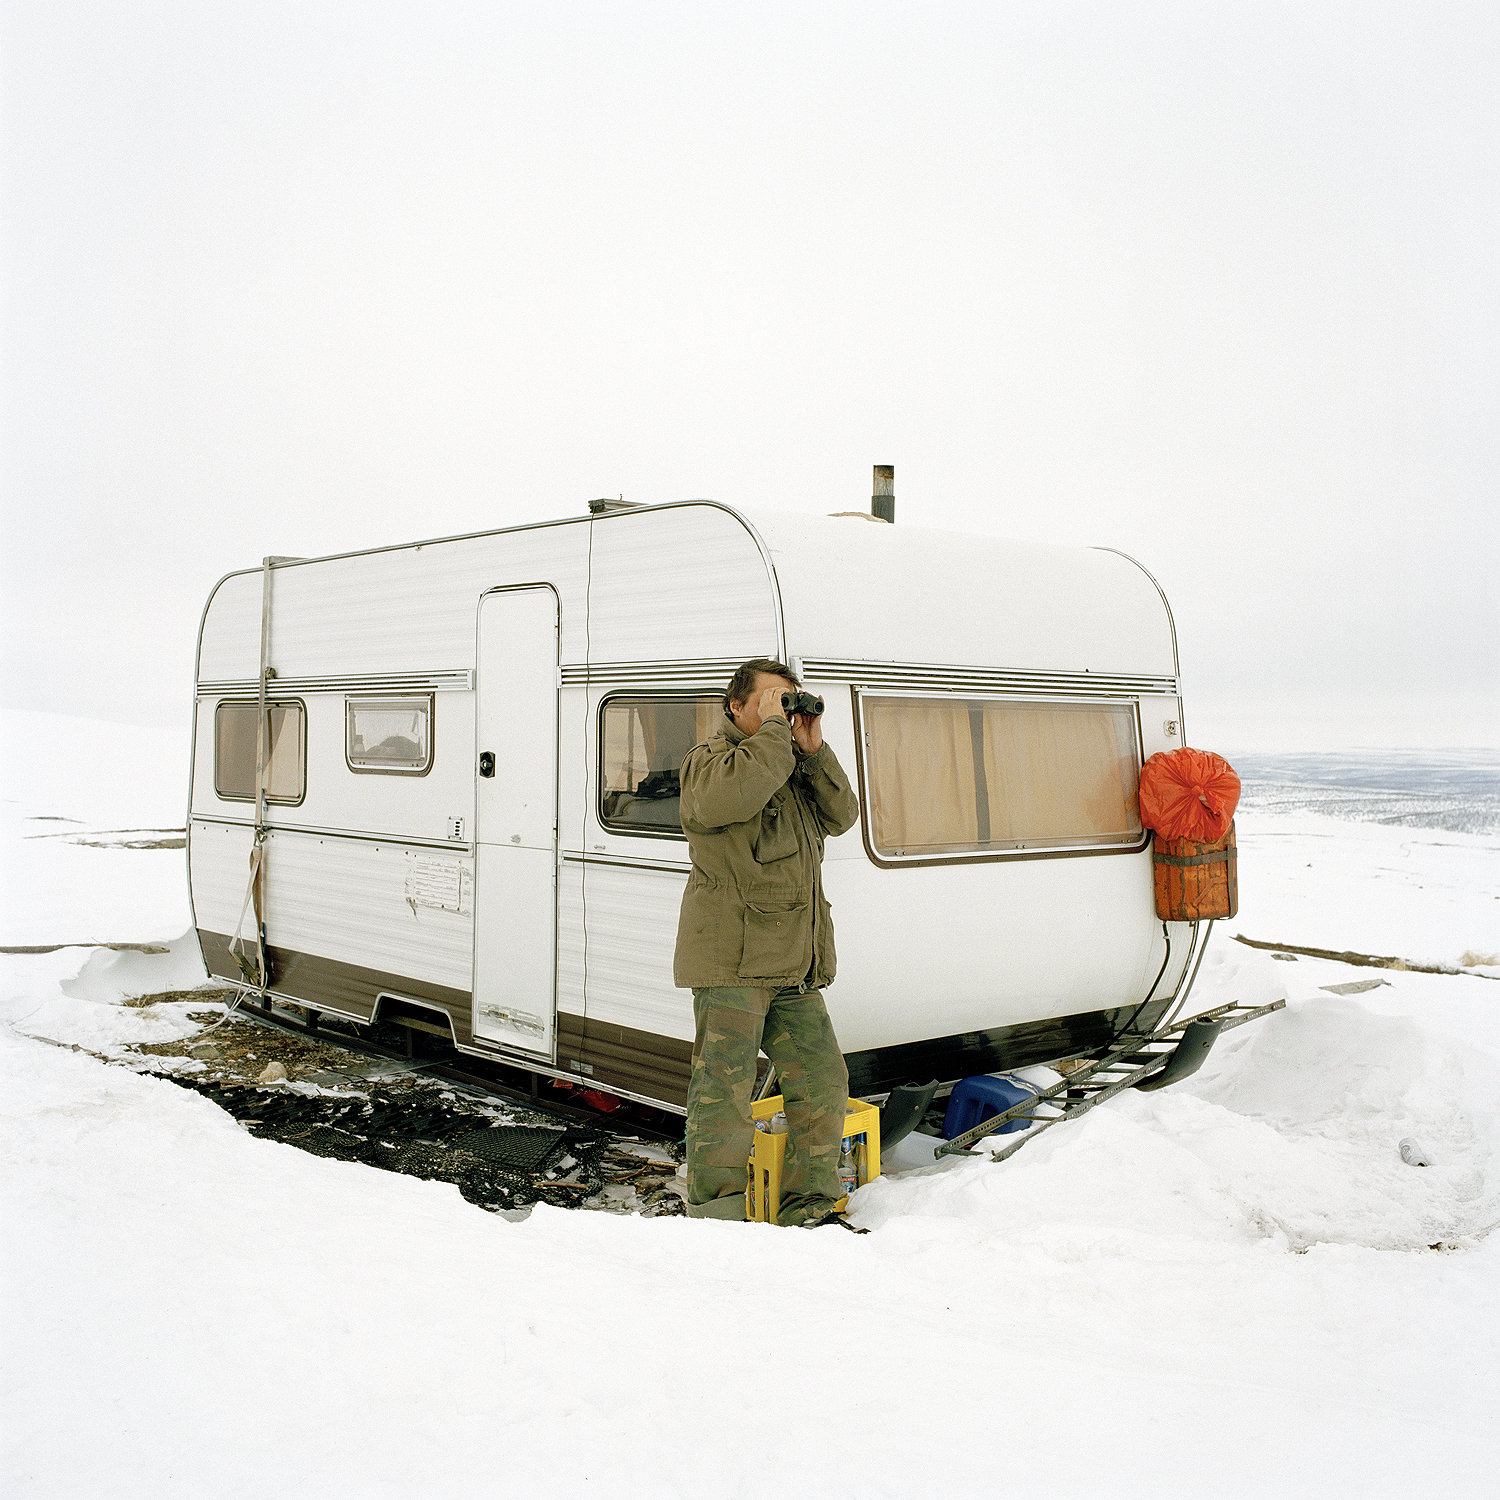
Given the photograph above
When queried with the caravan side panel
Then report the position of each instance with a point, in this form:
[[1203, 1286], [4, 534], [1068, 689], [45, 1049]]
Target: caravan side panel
[[376, 917], [634, 586], [636, 1032], [343, 922]]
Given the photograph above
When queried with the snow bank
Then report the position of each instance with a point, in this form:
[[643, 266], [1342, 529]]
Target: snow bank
[[1221, 1289], [1429, 897], [362, 1333], [94, 773], [1290, 1136], [73, 995]]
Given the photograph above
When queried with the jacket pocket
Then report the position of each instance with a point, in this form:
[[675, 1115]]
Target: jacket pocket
[[777, 838], [778, 941]]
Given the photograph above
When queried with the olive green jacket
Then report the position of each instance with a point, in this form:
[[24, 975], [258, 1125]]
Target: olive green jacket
[[756, 814]]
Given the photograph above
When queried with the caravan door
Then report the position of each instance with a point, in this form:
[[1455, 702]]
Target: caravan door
[[515, 821]]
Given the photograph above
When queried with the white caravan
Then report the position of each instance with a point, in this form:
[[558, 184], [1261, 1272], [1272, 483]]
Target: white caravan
[[470, 821]]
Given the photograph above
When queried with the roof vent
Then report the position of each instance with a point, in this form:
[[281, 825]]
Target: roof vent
[[601, 507], [883, 501]]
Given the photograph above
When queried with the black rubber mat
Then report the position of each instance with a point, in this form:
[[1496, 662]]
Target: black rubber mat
[[415, 1131], [320, 1140], [522, 1148]]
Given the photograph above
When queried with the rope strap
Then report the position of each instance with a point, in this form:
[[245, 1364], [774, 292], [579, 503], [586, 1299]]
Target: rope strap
[[1186, 861]]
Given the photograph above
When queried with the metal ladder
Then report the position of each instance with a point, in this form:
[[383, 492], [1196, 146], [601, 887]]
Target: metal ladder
[[1149, 1061]]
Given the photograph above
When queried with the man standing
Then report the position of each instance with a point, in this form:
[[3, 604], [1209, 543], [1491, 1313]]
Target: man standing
[[755, 946]]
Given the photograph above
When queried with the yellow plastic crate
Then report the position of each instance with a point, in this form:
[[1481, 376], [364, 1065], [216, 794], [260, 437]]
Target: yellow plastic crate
[[763, 1187]]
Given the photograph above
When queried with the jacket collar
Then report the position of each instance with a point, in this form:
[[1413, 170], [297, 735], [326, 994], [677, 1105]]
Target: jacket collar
[[731, 731]]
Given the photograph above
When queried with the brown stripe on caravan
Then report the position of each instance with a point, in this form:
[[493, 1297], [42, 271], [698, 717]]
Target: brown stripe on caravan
[[656, 1067], [621, 1057], [327, 984], [569, 1041]]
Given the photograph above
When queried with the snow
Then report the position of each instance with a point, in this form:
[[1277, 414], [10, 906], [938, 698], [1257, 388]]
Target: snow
[[1224, 1288], [1424, 895], [67, 779]]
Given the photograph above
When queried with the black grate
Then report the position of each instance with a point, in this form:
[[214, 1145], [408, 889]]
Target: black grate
[[521, 1148]]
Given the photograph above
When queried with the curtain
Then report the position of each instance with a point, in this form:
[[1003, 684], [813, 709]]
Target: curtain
[[235, 748], [947, 775], [920, 763], [1061, 773]]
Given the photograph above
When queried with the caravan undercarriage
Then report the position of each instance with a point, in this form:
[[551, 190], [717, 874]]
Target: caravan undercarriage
[[1149, 1060]]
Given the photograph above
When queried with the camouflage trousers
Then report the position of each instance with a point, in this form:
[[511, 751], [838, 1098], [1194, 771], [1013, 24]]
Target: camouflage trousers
[[792, 1028]]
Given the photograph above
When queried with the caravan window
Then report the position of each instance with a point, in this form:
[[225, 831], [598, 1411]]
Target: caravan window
[[642, 742], [953, 777], [389, 734], [235, 751]]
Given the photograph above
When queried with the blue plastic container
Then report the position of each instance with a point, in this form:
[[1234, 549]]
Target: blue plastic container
[[975, 1100]]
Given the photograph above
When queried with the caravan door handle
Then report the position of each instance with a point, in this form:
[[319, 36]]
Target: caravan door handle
[[486, 762]]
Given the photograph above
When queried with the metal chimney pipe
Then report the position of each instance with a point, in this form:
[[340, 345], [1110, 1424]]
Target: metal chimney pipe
[[883, 501]]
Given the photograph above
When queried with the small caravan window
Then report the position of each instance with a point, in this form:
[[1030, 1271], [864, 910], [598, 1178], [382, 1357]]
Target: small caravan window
[[949, 777], [235, 751], [389, 734], [642, 744]]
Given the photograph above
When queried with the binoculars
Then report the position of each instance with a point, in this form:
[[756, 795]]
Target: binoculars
[[801, 703]]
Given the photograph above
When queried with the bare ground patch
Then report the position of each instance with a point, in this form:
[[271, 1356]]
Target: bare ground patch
[[347, 1105]]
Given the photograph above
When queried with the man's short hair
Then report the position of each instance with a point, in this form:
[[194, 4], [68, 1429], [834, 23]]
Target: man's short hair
[[742, 684]]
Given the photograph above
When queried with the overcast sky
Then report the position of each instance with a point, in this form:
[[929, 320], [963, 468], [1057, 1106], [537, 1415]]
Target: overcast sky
[[1213, 284]]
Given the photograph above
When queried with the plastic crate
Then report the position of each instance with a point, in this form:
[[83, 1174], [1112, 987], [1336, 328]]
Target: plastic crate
[[763, 1184]]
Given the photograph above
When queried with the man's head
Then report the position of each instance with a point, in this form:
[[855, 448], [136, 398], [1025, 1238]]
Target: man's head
[[742, 696]]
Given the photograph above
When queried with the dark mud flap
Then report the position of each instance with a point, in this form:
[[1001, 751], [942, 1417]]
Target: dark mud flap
[[1187, 1057], [907, 1103]]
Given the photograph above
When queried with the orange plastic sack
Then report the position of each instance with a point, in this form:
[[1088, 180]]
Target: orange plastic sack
[[1189, 794]]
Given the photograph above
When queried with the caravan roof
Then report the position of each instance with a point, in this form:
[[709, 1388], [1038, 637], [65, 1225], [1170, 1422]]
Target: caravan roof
[[835, 589]]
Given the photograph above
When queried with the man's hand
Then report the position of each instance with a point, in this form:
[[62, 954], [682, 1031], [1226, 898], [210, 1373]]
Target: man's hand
[[807, 732], [769, 706]]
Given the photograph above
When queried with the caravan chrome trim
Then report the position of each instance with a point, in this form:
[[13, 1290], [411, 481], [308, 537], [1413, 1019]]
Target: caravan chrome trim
[[353, 682], [400, 999], [688, 676], [395, 840], [287, 962], [1166, 604], [608, 518], [272, 994], [992, 681]]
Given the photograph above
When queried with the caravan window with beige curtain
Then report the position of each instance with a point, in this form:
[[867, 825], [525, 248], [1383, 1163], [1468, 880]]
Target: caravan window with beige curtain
[[235, 750], [642, 743], [951, 776]]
